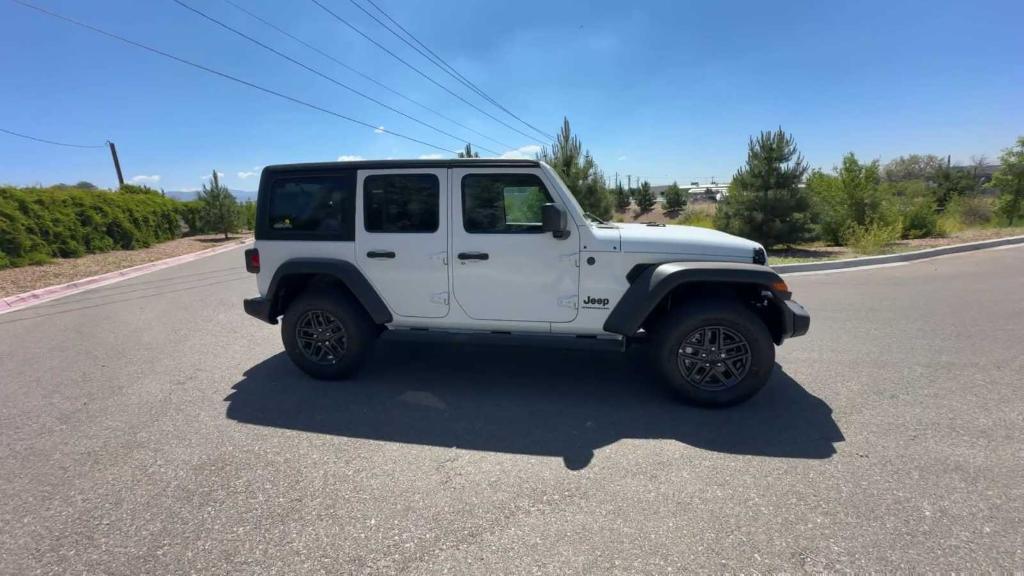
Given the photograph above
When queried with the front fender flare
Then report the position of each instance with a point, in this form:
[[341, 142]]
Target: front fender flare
[[653, 282]]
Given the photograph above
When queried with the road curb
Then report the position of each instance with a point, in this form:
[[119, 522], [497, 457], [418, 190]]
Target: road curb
[[896, 258], [19, 301]]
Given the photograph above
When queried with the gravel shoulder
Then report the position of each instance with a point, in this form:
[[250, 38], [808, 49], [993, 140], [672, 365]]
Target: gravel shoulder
[[61, 271]]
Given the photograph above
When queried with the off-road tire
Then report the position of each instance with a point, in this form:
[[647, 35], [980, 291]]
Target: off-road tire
[[736, 326], [328, 305]]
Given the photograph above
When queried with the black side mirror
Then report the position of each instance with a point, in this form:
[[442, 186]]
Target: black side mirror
[[554, 220]]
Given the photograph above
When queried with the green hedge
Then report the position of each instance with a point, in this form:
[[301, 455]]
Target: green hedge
[[37, 224]]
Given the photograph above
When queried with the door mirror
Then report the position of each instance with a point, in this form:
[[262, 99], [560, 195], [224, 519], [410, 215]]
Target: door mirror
[[554, 220]]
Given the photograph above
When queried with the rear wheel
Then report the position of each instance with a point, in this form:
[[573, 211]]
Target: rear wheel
[[714, 353], [327, 335]]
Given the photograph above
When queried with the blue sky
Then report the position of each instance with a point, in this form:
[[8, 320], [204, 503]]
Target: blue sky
[[664, 90]]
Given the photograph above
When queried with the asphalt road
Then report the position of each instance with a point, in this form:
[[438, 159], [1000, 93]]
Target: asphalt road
[[150, 427]]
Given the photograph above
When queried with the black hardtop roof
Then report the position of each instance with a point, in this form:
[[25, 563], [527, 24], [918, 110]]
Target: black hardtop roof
[[396, 164]]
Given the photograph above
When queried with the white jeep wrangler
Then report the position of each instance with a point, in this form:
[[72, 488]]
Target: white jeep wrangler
[[346, 250]]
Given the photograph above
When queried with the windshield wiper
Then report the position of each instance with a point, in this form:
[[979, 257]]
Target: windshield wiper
[[594, 218]]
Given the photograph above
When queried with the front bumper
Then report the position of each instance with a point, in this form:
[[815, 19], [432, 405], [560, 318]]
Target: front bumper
[[795, 319], [259, 307]]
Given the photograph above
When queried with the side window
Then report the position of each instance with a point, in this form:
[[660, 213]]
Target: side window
[[502, 203], [312, 207], [397, 203]]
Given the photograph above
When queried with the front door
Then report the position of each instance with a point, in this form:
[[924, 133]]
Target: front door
[[402, 238], [503, 266]]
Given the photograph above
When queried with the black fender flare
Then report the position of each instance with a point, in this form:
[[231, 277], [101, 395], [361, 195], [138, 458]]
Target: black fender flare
[[651, 283], [342, 270]]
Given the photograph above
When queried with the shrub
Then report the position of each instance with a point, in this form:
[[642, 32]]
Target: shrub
[[247, 219], [700, 216], [191, 214], [971, 210], [851, 195], [919, 218], [872, 238], [41, 223]]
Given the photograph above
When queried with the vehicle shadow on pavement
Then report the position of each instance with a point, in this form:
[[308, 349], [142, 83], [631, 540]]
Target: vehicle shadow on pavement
[[525, 399]]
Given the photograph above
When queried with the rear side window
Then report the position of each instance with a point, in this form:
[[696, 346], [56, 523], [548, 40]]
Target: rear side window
[[502, 203], [401, 203], [311, 207]]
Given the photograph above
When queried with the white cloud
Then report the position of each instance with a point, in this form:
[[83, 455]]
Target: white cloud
[[245, 175], [431, 156], [146, 179], [349, 158], [528, 152], [379, 130], [621, 158]]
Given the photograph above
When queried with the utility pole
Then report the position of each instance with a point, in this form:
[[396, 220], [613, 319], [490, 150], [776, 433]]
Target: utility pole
[[117, 163]]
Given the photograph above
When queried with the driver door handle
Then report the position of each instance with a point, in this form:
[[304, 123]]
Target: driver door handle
[[380, 254], [473, 256]]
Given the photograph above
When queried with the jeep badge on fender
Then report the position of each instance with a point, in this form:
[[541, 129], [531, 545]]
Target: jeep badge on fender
[[347, 250]]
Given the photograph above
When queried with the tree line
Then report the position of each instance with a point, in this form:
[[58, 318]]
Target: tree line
[[778, 200]]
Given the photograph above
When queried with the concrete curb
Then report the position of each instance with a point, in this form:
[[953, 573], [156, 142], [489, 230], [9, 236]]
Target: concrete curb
[[896, 258], [19, 301]]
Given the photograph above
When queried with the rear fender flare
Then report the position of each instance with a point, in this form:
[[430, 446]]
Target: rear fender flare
[[341, 270]]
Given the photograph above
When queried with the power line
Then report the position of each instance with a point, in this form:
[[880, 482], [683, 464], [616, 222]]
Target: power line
[[224, 75], [441, 63], [322, 75], [44, 141], [365, 76], [421, 73]]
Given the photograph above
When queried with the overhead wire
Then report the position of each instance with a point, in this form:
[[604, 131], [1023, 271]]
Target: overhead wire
[[441, 63], [374, 127], [363, 75], [422, 73], [324, 76], [54, 142]]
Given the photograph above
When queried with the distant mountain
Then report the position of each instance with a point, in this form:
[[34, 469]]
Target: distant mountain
[[240, 195]]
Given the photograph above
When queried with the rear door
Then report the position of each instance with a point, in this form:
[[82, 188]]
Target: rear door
[[503, 266], [402, 238]]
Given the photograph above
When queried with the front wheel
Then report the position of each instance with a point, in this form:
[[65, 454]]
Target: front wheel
[[327, 335], [714, 353]]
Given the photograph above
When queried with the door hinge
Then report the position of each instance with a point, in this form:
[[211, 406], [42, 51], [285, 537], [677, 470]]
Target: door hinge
[[439, 298], [569, 301], [441, 257]]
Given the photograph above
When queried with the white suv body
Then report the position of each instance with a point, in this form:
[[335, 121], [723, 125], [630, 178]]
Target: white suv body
[[490, 246]]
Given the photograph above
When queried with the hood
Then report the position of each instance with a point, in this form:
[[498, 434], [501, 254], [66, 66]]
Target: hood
[[689, 240]]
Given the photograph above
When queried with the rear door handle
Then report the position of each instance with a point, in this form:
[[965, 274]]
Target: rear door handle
[[380, 254], [473, 256]]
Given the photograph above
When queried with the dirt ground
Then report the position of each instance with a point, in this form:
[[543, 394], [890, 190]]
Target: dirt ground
[[60, 271]]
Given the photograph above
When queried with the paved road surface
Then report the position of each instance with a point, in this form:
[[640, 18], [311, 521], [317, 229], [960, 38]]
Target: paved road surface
[[151, 427]]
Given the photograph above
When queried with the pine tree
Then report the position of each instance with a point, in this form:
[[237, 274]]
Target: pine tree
[[579, 172], [622, 197], [219, 210], [765, 201], [468, 152], [675, 200], [644, 198]]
